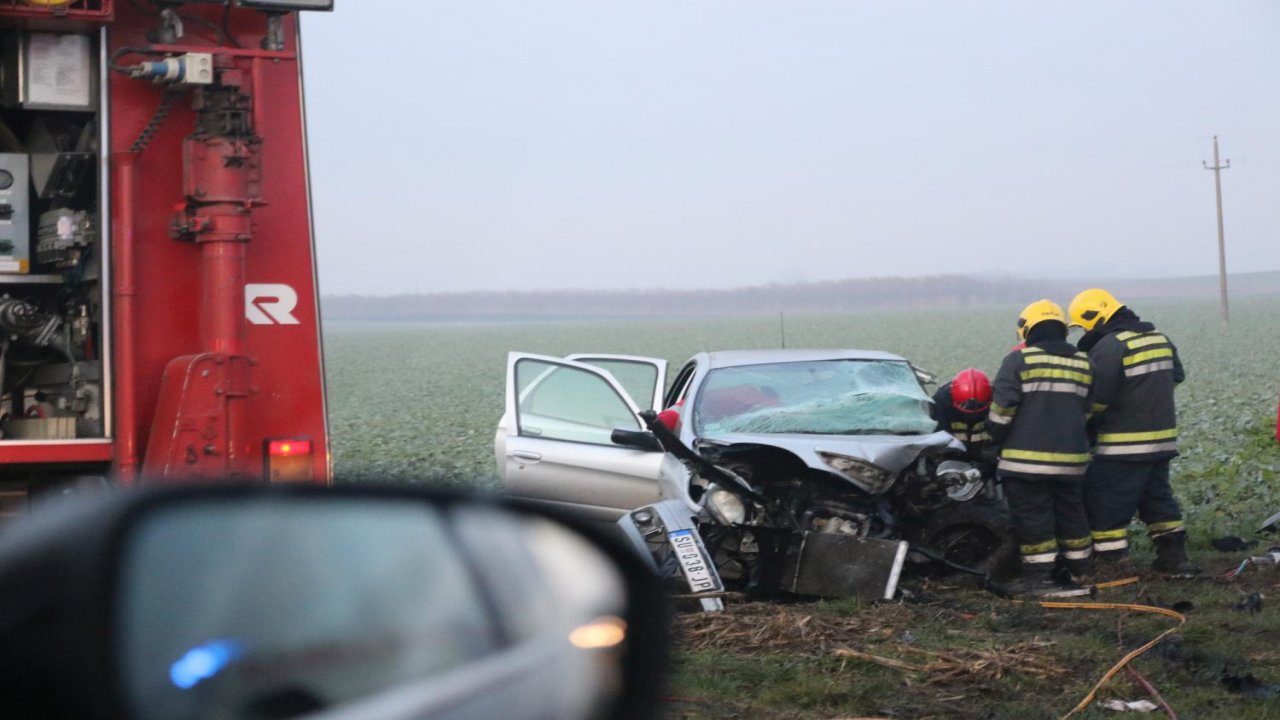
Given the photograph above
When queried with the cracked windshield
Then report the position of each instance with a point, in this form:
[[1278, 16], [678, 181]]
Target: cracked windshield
[[836, 397]]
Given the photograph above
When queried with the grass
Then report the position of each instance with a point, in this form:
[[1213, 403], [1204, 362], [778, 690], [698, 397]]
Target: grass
[[774, 678], [419, 403]]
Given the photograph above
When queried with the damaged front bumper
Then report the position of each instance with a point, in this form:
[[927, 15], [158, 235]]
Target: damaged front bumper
[[666, 535], [812, 564]]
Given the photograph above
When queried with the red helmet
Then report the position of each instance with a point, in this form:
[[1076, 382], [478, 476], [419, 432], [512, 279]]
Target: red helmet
[[971, 391]]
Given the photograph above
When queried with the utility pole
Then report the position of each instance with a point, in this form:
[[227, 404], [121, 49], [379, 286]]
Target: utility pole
[[1217, 169]]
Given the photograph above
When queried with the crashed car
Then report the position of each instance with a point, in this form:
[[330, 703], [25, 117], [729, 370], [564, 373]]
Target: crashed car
[[810, 472]]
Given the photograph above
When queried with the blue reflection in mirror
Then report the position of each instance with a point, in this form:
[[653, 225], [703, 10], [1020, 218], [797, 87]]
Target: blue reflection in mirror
[[203, 662]]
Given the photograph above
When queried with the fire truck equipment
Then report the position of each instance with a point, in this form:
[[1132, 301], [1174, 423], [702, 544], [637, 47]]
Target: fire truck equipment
[[126, 351], [63, 154], [286, 5], [62, 238], [48, 71], [15, 213]]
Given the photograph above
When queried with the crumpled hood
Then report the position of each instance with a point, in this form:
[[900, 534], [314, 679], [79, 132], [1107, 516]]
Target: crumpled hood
[[894, 453]]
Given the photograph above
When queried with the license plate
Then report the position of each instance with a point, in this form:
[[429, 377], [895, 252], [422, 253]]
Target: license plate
[[693, 562]]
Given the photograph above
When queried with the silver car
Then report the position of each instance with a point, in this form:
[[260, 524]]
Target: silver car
[[838, 446]]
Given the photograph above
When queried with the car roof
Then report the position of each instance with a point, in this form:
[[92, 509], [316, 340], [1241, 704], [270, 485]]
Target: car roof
[[732, 358]]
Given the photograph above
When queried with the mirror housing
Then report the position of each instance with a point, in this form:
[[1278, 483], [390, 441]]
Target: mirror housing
[[281, 601], [636, 440], [924, 376]]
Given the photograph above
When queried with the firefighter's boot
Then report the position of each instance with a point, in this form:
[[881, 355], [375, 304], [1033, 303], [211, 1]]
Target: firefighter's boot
[[1079, 572], [1039, 584], [1171, 556]]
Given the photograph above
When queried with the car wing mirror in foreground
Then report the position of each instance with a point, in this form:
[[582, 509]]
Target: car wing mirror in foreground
[[636, 440], [346, 603]]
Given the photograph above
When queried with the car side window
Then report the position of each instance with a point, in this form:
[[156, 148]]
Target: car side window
[[637, 378], [679, 386], [559, 402]]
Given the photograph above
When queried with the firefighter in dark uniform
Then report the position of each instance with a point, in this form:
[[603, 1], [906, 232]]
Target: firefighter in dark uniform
[[960, 407], [1039, 408], [1137, 431]]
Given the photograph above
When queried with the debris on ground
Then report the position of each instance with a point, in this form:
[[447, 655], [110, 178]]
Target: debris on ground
[[1231, 543], [1024, 658], [1131, 706], [1252, 603], [765, 627], [1249, 685]]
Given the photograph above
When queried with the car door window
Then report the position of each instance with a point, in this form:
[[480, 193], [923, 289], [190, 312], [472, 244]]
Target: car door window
[[560, 402], [639, 379], [679, 386]]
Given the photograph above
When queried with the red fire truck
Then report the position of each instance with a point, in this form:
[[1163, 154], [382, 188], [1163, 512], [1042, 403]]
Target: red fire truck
[[159, 319]]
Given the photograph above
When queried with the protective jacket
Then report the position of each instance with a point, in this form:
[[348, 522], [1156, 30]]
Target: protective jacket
[[1039, 405], [968, 428], [1136, 369]]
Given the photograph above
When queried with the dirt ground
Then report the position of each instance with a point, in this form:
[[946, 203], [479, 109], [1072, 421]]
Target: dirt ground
[[950, 650]]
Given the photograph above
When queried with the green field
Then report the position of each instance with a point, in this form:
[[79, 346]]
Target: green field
[[419, 403]]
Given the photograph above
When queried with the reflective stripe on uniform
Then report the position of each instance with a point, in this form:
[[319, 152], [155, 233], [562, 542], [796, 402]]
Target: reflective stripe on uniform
[[1098, 407], [1148, 355], [1061, 387], [1045, 546], [1034, 469], [1138, 436], [1076, 543], [1145, 341], [1082, 554], [1110, 540], [1161, 529], [1084, 378], [1041, 559], [1148, 368], [1135, 449], [1036, 455], [1046, 358], [1001, 415]]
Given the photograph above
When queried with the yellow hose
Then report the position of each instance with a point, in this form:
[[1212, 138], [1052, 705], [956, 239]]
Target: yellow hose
[[1093, 694]]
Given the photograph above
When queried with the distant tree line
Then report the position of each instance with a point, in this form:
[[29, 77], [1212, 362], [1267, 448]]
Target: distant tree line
[[854, 294]]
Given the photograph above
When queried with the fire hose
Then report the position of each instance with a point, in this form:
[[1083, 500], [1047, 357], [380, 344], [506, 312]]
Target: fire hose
[[986, 584]]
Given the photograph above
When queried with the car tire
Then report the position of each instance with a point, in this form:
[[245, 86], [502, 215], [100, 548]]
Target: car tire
[[978, 536]]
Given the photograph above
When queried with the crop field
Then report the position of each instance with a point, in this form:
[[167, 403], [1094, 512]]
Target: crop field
[[419, 403]]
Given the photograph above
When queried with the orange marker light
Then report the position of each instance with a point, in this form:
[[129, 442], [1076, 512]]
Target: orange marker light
[[288, 448], [288, 460]]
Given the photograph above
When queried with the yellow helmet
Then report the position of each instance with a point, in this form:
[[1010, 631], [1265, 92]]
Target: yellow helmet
[[1092, 307], [1038, 312]]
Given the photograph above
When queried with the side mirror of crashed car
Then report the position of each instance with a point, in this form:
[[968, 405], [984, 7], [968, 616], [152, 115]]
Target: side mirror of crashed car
[[924, 376], [359, 602], [636, 440]]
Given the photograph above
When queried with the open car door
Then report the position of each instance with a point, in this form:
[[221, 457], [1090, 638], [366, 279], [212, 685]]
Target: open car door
[[555, 444]]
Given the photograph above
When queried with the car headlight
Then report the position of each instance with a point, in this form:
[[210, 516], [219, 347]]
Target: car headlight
[[962, 479], [725, 507], [866, 475]]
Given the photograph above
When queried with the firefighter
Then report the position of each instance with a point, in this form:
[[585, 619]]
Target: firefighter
[[960, 407], [1038, 412], [1137, 431]]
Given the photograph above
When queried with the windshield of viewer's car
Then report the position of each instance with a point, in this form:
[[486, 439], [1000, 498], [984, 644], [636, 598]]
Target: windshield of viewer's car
[[827, 397]]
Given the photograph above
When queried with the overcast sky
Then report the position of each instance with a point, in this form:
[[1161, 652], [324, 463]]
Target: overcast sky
[[538, 144]]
